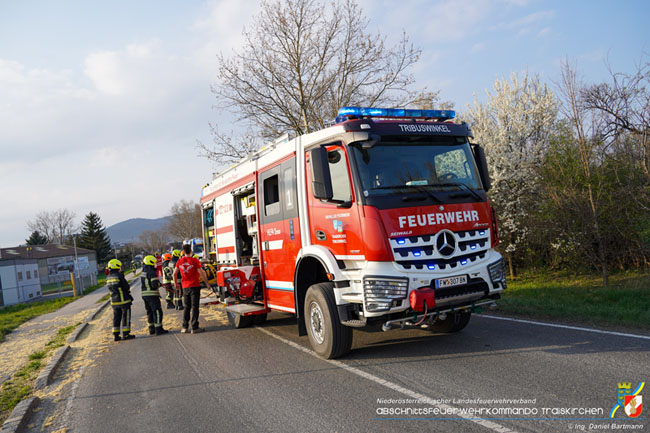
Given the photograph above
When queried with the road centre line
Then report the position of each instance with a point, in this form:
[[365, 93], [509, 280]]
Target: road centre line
[[574, 328], [390, 385]]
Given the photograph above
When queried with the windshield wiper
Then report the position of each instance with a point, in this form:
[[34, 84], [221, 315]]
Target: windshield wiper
[[463, 186], [418, 188]]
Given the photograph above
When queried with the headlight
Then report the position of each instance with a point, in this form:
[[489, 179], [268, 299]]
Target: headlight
[[497, 272], [379, 292]]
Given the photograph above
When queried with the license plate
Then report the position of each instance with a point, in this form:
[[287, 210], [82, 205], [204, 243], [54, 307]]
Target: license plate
[[451, 281]]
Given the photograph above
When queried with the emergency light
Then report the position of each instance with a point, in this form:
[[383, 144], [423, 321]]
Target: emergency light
[[394, 112]]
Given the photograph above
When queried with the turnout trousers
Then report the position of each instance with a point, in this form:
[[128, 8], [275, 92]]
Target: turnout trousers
[[122, 319], [169, 297], [154, 312]]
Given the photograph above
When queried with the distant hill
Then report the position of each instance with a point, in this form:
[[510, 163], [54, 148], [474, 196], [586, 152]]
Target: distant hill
[[130, 230]]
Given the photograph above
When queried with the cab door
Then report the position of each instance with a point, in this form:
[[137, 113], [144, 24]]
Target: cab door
[[335, 224], [279, 234]]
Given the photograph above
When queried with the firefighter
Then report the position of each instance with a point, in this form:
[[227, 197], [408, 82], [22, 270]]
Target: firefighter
[[178, 295], [167, 278], [159, 265], [151, 296], [192, 272], [121, 300]]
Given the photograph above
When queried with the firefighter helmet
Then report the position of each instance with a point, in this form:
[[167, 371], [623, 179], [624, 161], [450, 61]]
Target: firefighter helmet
[[114, 264], [149, 260], [166, 257], [196, 256], [176, 253]]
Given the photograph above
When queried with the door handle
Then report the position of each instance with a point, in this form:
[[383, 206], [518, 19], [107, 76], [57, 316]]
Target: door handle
[[320, 235]]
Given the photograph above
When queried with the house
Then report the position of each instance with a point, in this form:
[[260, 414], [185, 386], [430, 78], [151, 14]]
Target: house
[[55, 262], [19, 281]]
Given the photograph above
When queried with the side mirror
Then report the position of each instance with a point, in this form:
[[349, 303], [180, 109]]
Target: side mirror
[[481, 163], [320, 174]]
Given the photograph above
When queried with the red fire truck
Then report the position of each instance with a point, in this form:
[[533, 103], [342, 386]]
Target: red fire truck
[[379, 220]]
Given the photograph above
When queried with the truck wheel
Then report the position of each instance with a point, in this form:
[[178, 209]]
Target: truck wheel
[[327, 336], [453, 323], [259, 319], [239, 321]]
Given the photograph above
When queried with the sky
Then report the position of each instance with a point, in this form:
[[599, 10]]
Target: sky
[[102, 103]]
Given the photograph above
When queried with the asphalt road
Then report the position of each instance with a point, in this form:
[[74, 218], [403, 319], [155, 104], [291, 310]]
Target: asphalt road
[[267, 379]]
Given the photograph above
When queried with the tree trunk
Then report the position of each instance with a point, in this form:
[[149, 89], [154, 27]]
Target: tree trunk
[[511, 266], [599, 238]]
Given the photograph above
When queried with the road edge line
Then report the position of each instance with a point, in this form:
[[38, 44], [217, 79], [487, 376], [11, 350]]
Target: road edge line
[[390, 385], [574, 328]]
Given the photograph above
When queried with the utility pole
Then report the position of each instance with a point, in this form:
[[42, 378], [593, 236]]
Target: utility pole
[[76, 263]]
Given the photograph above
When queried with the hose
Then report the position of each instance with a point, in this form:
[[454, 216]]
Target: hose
[[423, 317]]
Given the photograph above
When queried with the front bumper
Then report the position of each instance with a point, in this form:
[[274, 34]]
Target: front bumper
[[484, 281]]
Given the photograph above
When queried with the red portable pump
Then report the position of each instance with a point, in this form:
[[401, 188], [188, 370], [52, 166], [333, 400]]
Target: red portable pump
[[240, 282]]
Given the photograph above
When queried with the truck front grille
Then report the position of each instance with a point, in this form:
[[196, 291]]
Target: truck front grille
[[420, 253]]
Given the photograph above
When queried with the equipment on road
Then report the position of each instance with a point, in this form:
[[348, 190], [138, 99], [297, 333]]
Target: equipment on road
[[381, 219]]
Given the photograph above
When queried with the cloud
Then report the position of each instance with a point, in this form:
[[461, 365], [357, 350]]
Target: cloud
[[441, 21], [103, 69], [525, 21], [116, 133], [477, 48]]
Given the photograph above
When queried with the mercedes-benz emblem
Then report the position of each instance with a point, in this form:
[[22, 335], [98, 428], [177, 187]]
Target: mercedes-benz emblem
[[446, 243]]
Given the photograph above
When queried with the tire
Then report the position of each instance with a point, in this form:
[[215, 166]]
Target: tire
[[327, 336], [453, 323], [238, 321], [259, 319]]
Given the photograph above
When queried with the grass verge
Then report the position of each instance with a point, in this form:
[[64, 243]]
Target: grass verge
[[580, 298], [13, 316], [20, 385]]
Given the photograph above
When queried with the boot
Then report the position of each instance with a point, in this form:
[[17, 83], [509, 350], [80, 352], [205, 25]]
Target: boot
[[152, 330], [116, 337], [161, 331], [170, 305], [128, 337], [180, 307]]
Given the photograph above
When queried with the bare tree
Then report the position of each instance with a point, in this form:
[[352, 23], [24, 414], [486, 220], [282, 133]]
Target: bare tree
[[56, 225], [186, 220], [154, 241], [624, 104], [228, 149], [588, 135], [302, 60]]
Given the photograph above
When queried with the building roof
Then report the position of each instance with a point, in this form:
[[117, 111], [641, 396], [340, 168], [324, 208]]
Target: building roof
[[41, 252]]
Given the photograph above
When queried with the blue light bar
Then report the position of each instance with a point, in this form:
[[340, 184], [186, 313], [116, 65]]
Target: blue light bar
[[431, 267], [396, 112], [473, 246], [463, 262], [401, 241], [482, 232], [417, 253]]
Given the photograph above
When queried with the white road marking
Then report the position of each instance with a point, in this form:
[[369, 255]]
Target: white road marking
[[574, 328], [390, 385]]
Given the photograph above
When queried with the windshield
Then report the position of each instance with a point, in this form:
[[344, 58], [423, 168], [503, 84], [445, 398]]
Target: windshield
[[417, 163]]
